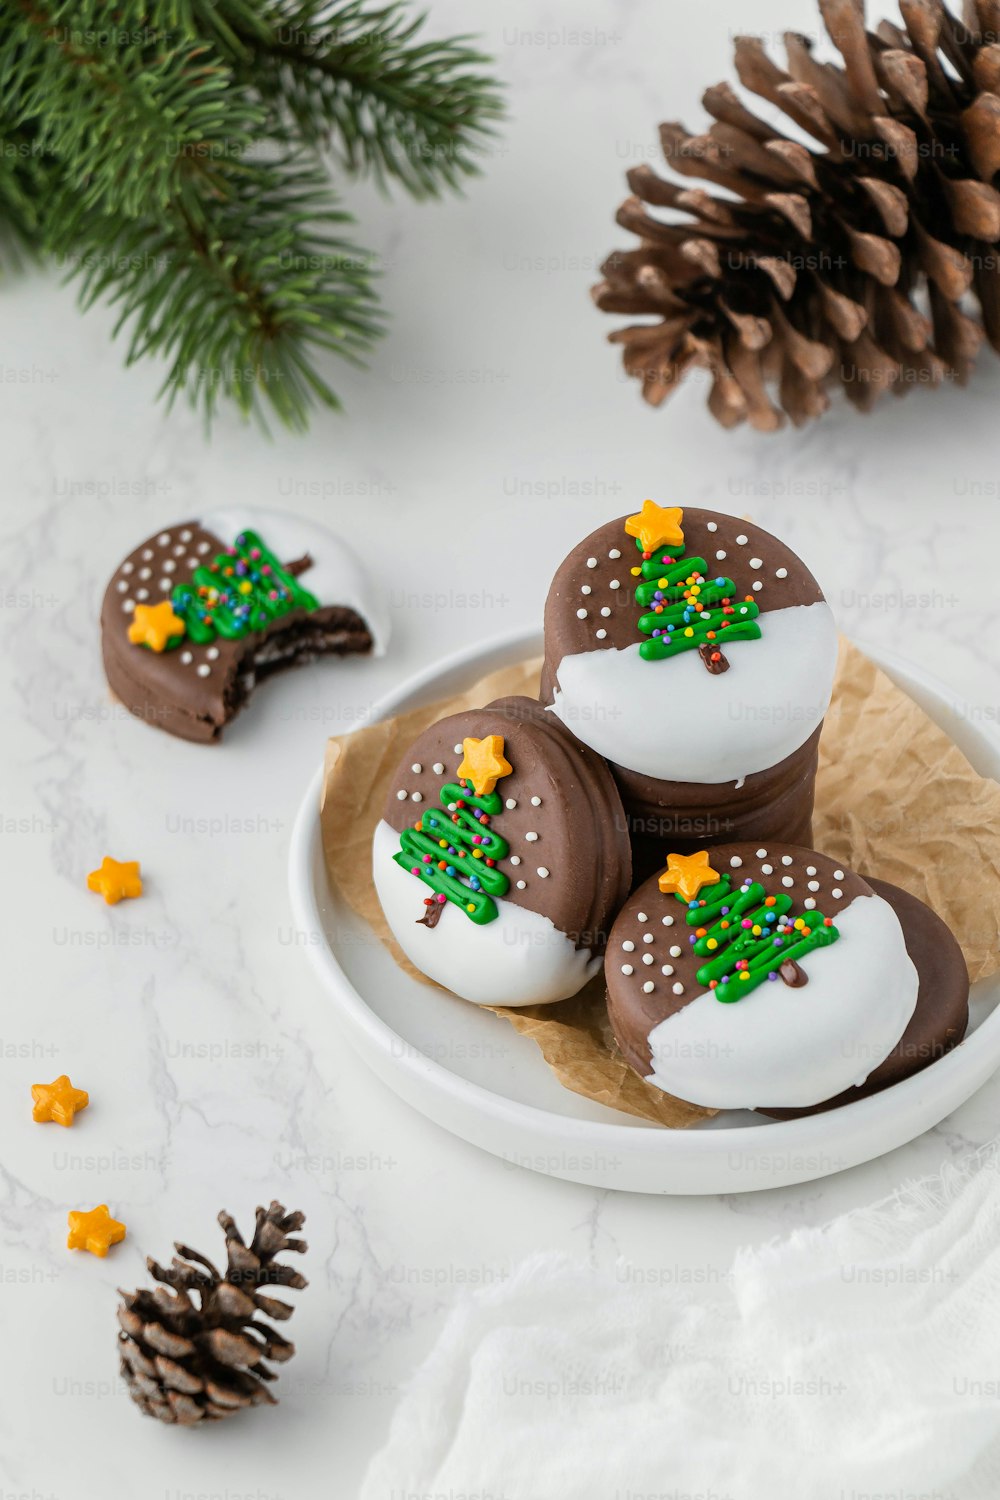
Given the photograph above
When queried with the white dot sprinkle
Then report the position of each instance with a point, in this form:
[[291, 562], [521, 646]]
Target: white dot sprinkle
[[179, 550], [761, 853], [142, 593], [641, 917], [678, 988], [416, 797], [810, 869], [123, 586], [741, 540], [591, 562], [581, 614], [438, 768], [458, 749], [536, 801], [781, 573], [648, 987], [400, 796], [756, 562], [836, 893], [675, 951], [145, 572], [713, 526], [720, 556], [787, 880], [147, 554], [416, 768], [127, 567], [128, 605], [786, 859], [164, 585], [614, 554], [169, 565], [766, 869], [511, 803], [521, 885], [736, 862], [813, 885], [627, 969], [667, 969], [515, 859], [838, 874], [648, 958], [809, 903], [185, 536], [163, 538], [543, 872], [212, 653], [452, 806], [187, 659], [647, 937], [668, 920], [628, 945], [601, 634], [532, 838], [756, 586], [615, 583], [605, 611], [204, 547], [204, 670]]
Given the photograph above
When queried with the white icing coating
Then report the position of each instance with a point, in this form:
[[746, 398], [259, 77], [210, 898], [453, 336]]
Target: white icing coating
[[677, 722], [336, 575], [786, 1048], [520, 958]]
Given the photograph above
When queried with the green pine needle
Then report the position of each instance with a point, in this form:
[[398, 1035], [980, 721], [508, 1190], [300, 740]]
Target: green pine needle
[[170, 155]]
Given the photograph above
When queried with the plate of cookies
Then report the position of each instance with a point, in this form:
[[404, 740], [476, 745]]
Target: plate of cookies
[[577, 900]]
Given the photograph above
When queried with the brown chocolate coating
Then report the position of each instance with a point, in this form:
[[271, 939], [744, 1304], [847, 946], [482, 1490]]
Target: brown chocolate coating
[[938, 1022], [195, 690], [775, 803], [580, 838]]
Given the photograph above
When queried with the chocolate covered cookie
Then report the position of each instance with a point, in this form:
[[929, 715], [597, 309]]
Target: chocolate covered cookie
[[696, 652], [198, 614], [772, 978], [502, 855]]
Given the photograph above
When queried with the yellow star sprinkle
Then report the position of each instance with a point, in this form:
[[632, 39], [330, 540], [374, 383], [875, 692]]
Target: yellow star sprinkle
[[115, 879], [155, 626], [58, 1101], [95, 1231], [483, 763], [657, 526], [686, 874]]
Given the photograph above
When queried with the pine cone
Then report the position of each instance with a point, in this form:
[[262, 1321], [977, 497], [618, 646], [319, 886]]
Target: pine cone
[[188, 1360], [844, 263]]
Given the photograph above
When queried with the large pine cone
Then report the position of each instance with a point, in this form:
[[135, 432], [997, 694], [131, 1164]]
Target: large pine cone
[[191, 1358], [845, 262]]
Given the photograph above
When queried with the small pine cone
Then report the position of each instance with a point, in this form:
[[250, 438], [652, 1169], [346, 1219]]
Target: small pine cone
[[848, 262], [194, 1349]]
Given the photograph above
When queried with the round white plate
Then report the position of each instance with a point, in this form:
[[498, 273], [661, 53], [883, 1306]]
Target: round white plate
[[471, 1072]]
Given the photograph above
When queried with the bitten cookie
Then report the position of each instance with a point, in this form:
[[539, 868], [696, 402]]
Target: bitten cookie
[[696, 653], [502, 856], [772, 978], [198, 614]]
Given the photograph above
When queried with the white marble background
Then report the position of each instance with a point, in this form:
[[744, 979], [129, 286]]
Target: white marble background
[[492, 429]]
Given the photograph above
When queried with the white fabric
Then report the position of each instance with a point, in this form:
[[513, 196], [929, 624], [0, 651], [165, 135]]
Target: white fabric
[[859, 1359]]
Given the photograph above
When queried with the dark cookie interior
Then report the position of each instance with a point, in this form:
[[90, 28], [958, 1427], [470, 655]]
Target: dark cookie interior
[[562, 819]]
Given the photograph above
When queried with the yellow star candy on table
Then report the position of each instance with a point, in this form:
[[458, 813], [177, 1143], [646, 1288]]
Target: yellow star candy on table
[[483, 763], [115, 879], [687, 873], [58, 1101], [657, 526], [155, 626], [95, 1230]]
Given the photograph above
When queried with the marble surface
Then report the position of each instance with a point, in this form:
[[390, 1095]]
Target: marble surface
[[492, 429]]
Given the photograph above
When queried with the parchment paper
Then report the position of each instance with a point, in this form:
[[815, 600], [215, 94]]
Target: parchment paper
[[895, 798]]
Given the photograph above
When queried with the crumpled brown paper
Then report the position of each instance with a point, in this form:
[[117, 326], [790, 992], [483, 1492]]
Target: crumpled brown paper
[[895, 798]]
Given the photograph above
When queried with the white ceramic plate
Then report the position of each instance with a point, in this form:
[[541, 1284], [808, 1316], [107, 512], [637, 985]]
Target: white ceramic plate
[[468, 1069]]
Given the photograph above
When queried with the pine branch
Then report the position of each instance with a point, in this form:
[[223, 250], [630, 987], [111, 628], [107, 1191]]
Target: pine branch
[[239, 297], [357, 79]]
